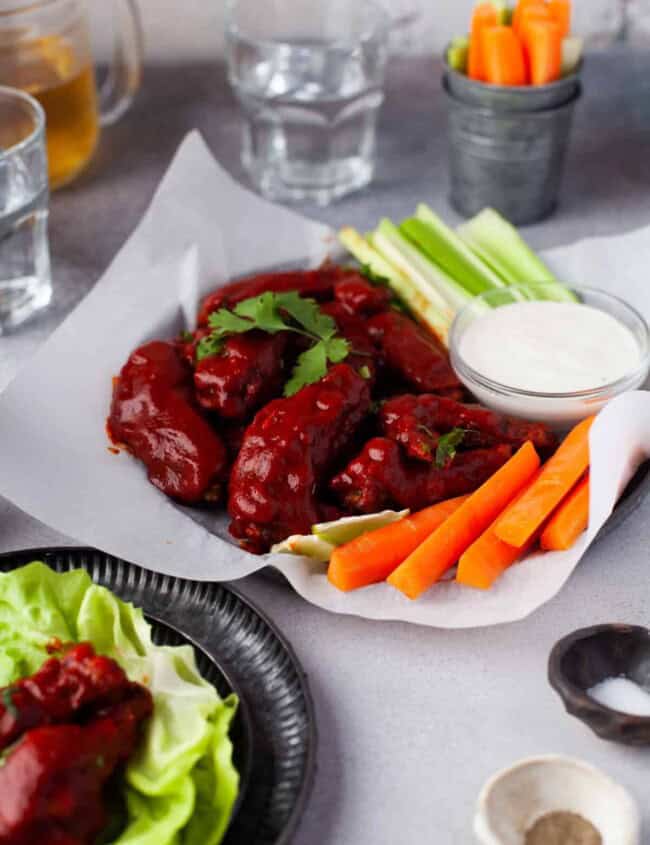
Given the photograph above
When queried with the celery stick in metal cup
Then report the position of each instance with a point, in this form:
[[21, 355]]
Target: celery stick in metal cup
[[309, 77], [508, 145]]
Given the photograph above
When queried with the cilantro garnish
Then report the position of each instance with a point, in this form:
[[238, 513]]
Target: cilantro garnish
[[8, 701], [187, 337], [447, 446], [281, 312], [364, 372]]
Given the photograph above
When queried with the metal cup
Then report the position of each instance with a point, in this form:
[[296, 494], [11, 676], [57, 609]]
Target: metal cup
[[504, 155], [511, 97]]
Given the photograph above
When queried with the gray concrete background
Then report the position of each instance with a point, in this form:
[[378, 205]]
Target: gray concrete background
[[411, 720]]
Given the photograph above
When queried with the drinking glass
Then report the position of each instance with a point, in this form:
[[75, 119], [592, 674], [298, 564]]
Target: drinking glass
[[25, 284], [309, 77], [45, 50]]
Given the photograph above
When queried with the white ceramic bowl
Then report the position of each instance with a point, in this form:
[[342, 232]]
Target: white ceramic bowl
[[514, 799]]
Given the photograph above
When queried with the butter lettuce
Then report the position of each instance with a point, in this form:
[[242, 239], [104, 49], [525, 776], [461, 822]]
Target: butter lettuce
[[180, 786]]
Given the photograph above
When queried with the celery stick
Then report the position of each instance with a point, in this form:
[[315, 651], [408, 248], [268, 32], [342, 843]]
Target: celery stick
[[499, 244], [572, 49], [443, 246], [458, 53], [392, 243], [422, 299], [366, 255]]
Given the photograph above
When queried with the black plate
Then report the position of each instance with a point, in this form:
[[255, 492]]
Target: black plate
[[238, 649]]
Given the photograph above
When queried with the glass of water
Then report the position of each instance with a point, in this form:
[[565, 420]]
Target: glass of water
[[309, 77], [25, 282]]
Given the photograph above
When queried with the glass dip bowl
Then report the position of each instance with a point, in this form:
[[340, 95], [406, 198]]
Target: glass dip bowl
[[560, 409]]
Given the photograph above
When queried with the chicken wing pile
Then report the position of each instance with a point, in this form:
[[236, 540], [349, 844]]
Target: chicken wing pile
[[219, 428]]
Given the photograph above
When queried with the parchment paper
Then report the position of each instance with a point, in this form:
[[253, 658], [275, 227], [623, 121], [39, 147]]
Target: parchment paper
[[201, 229]]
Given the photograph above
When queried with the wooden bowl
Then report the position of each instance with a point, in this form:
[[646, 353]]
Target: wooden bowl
[[588, 656]]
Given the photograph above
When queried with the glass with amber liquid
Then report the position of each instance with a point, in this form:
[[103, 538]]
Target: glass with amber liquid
[[45, 50]]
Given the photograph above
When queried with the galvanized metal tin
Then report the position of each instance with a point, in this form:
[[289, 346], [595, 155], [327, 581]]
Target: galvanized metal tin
[[509, 159], [525, 98]]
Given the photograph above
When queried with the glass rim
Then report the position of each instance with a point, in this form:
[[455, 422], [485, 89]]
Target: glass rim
[[232, 28], [39, 114], [618, 385]]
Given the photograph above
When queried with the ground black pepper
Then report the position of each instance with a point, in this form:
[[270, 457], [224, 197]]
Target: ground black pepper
[[563, 829]]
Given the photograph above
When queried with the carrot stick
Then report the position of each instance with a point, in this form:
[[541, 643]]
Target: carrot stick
[[488, 557], [569, 520], [440, 551], [503, 56], [485, 14], [556, 479], [543, 43], [372, 557], [561, 12], [519, 10]]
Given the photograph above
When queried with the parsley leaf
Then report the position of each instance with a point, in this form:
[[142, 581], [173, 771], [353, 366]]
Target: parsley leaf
[[209, 345], [227, 322], [310, 367], [8, 701], [263, 311], [307, 312], [364, 372], [447, 444], [337, 349], [187, 337], [275, 312]]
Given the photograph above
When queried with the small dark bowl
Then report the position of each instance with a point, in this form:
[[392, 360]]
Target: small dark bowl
[[588, 656]]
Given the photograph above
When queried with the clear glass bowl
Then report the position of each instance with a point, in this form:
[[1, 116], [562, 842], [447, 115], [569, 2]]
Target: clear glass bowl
[[559, 410]]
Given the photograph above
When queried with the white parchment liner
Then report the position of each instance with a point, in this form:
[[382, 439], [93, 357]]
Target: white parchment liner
[[202, 229]]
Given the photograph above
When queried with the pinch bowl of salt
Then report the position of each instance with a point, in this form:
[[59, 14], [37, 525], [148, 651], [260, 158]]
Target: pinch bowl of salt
[[602, 674], [553, 799]]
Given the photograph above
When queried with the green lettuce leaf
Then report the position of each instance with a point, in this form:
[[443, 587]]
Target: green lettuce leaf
[[181, 785]]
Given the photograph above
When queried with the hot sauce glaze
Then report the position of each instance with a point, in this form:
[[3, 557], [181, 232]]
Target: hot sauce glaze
[[155, 415], [286, 450], [52, 781]]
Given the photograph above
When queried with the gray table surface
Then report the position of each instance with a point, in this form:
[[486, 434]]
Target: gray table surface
[[411, 720]]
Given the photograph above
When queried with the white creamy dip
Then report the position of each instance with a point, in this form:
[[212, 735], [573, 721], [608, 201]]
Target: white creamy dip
[[549, 347]]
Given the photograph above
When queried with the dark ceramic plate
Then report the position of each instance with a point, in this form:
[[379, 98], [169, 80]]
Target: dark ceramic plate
[[238, 650], [586, 657]]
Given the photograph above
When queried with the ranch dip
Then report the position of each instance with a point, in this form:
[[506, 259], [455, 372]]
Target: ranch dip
[[549, 347]]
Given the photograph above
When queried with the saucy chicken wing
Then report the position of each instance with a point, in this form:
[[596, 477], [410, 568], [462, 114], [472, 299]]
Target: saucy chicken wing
[[416, 422], [52, 782], [317, 284], [381, 477], [155, 415], [242, 377], [413, 354], [286, 454], [59, 691]]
